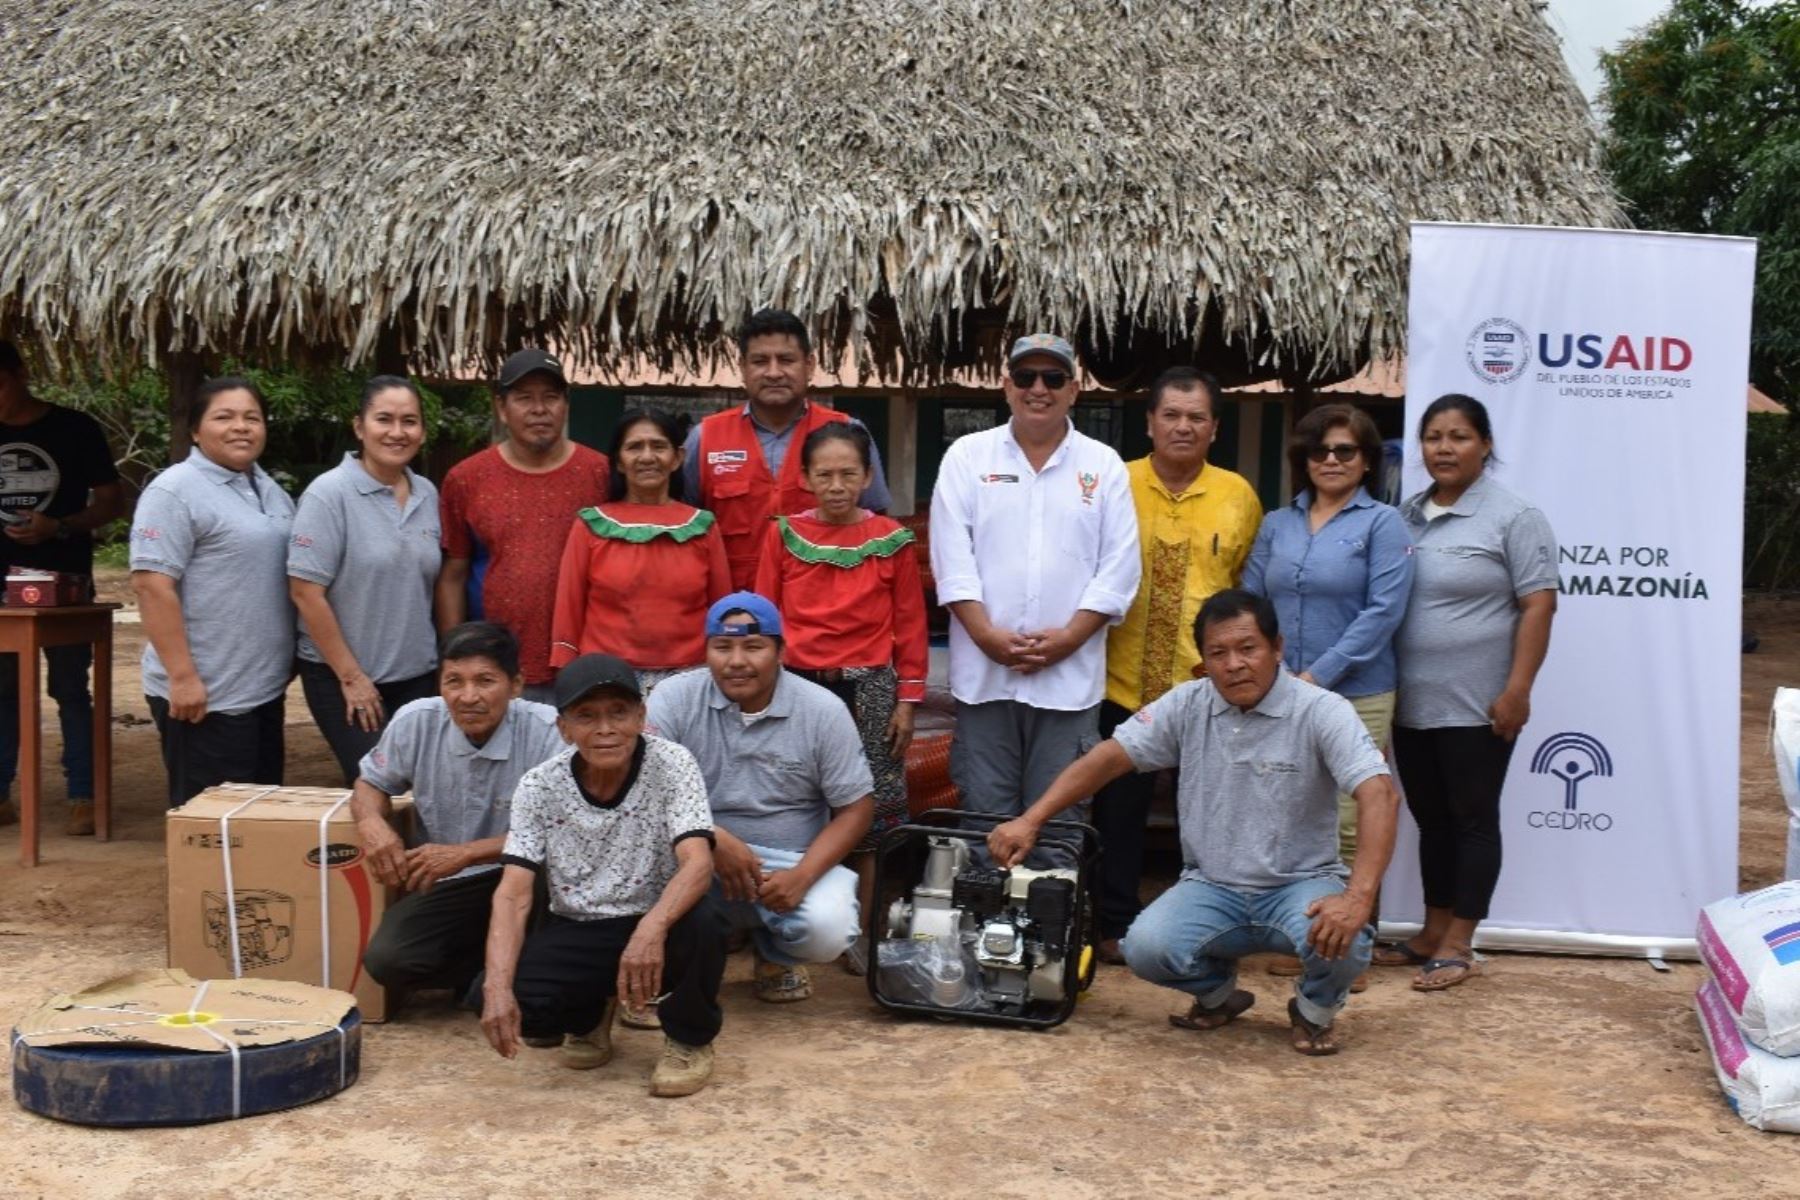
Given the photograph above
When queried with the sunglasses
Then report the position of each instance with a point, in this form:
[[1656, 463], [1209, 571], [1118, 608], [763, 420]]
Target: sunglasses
[[1342, 452], [1023, 378]]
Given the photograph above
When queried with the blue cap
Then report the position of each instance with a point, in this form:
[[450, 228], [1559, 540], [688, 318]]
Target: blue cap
[[765, 618], [1043, 343]]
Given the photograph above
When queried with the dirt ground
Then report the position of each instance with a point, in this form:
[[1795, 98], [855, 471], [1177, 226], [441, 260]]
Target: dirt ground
[[1550, 1075]]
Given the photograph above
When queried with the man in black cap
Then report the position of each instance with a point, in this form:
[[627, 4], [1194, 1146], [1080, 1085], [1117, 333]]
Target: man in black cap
[[619, 828], [57, 486], [507, 511]]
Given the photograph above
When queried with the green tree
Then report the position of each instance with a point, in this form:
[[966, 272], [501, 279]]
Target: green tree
[[1702, 115]]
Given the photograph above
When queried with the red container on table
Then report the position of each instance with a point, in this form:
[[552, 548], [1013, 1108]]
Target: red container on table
[[28, 588]]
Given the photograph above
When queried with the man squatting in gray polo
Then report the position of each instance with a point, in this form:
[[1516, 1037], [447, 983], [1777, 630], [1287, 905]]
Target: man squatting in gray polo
[[1262, 758], [789, 787], [461, 754]]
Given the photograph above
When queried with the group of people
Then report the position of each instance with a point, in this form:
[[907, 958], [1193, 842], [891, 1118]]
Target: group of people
[[645, 698]]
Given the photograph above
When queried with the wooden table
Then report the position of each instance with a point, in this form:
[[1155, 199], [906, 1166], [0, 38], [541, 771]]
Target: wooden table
[[24, 632]]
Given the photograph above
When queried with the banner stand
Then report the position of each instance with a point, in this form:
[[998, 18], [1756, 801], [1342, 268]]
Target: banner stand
[[1551, 941], [1612, 364]]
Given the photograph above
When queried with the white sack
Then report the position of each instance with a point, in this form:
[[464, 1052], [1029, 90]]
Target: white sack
[[1760, 1087], [1751, 943]]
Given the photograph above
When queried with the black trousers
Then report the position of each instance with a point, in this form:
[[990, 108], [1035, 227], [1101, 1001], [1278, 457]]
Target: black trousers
[[325, 700], [247, 747], [1122, 818], [1452, 779], [434, 938], [569, 969]]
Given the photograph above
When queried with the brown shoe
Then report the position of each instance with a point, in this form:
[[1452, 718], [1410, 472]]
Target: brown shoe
[[81, 819], [1286, 966], [1360, 984], [585, 1051], [639, 1018], [682, 1070], [1314, 1041], [779, 983], [1198, 1016], [1107, 951], [9, 813]]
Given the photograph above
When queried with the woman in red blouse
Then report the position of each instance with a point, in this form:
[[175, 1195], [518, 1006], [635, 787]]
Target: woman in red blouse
[[853, 613], [639, 572]]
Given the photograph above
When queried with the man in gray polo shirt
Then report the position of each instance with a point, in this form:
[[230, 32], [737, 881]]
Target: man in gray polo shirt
[[461, 754], [788, 786], [1262, 758]]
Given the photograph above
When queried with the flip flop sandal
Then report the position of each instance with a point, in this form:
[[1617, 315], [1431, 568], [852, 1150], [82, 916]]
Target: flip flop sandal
[[1198, 1016], [1314, 1041], [1468, 968], [1397, 954]]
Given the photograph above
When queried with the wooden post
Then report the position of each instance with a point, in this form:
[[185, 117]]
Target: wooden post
[[902, 463], [185, 371]]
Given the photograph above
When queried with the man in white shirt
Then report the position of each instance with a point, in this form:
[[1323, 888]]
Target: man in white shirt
[[1034, 545]]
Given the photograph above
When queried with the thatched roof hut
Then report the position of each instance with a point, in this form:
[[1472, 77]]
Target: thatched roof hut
[[628, 177]]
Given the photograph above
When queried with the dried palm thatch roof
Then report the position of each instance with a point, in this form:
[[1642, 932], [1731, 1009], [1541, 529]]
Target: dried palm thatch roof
[[630, 176]]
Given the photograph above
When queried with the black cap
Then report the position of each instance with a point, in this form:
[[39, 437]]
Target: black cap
[[525, 362], [590, 673]]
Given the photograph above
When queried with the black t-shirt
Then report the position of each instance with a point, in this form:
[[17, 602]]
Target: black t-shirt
[[49, 466]]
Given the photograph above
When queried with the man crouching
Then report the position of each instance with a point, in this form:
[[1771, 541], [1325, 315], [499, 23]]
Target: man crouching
[[619, 826], [1262, 757]]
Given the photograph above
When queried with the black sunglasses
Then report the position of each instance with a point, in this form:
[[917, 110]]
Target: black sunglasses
[[1342, 452], [1025, 378]]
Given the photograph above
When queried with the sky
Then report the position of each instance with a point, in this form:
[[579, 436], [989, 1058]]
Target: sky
[[1590, 26]]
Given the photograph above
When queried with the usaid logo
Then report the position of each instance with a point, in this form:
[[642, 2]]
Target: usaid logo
[[1572, 758], [1498, 350]]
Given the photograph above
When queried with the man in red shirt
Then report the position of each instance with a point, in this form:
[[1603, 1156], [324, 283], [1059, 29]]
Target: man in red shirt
[[507, 510], [737, 462]]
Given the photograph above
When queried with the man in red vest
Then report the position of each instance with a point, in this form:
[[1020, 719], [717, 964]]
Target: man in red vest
[[738, 461]]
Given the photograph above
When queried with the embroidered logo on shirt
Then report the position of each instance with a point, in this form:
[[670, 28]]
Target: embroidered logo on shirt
[[148, 532], [999, 479], [727, 456], [1089, 482], [302, 540], [1143, 714]]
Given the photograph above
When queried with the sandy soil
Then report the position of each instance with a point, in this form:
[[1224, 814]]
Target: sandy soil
[[1567, 1076]]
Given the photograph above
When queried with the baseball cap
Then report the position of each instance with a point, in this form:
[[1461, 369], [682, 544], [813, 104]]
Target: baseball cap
[[525, 362], [764, 617], [1043, 343], [590, 673]]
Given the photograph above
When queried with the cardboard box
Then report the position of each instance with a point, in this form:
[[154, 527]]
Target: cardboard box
[[300, 903], [26, 588]]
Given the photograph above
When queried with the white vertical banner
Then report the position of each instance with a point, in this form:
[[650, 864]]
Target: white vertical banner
[[1614, 367]]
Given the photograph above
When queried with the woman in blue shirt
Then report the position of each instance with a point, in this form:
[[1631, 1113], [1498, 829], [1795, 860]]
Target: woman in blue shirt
[[1338, 566]]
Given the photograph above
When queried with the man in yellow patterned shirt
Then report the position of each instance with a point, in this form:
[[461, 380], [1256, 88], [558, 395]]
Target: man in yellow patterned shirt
[[1196, 523]]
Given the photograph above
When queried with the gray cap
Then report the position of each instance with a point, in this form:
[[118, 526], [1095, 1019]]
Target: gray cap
[[525, 362], [1043, 343]]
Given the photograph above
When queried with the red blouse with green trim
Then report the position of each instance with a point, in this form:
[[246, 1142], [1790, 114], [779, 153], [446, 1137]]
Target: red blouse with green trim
[[849, 595], [636, 581]]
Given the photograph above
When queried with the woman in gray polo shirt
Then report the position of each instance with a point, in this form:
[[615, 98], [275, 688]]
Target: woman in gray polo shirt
[[361, 570], [208, 542], [1476, 630]]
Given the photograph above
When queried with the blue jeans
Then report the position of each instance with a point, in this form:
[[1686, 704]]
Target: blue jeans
[[1191, 937], [820, 930], [68, 678]]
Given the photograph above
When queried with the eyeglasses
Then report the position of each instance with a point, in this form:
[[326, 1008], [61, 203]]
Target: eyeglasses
[[1024, 378], [1343, 452]]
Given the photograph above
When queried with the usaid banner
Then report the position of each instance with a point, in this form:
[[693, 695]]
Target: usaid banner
[[1614, 366]]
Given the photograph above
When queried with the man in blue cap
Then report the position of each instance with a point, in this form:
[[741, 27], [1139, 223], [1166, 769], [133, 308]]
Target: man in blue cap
[[789, 789]]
